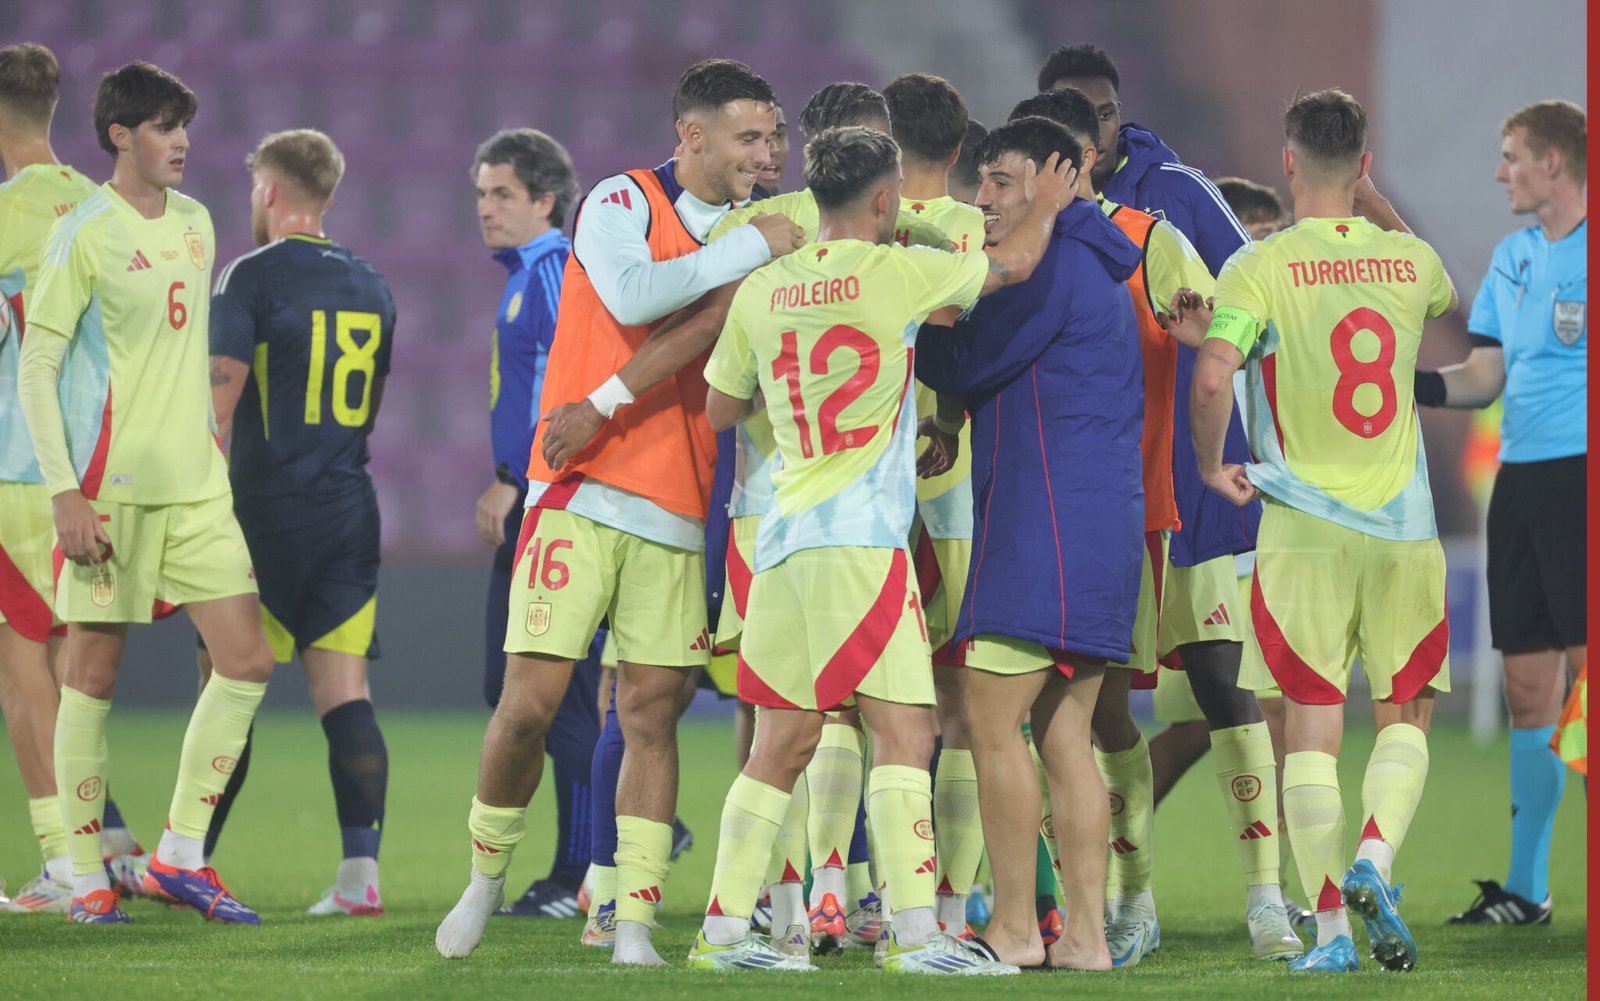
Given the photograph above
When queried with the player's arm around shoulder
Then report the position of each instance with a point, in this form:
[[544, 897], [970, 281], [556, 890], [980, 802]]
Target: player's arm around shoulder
[[733, 389]]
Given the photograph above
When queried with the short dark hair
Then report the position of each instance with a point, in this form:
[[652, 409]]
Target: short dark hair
[[1329, 127], [540, 163], [30, 81], [1068, 107], [711, 83], [966, 169], [927, 116], [1035, 137], [841, 163], [1250, 201], [1071, 62], [842, 104], [1561, 124], [137, 93]]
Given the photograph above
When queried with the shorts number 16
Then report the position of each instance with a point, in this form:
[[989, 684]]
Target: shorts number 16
[[551, 572]]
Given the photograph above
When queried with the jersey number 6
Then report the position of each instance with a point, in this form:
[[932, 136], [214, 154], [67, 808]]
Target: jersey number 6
[[353, 357], [787, 367], [177, 312]]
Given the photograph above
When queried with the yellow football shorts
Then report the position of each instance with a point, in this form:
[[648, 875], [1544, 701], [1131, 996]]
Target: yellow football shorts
[[741, 557], [1009, 655], [827, 624], [951, 557], [570, 572], [27, 571], [1148, 621], [1201, 604], [1324, 595], [1174, 698], [161, 558]]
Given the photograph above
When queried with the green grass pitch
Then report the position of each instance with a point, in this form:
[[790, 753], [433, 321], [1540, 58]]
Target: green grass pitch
[[282, 846]]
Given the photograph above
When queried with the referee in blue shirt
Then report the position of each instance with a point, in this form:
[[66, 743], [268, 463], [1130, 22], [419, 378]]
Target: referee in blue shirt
[[1530, 344], [526, 184]]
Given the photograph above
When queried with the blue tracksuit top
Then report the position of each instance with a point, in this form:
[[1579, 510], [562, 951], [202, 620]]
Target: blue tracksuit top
[[1153, 179]]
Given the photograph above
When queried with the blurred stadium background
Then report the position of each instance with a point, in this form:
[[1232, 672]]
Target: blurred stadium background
[[409, 87]]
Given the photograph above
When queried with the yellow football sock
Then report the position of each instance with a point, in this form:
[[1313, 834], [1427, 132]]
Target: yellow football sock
[[858, 883], [957, 825], [1391, 790], [751, 817], [495, 831], [900, 805], [1315, 814], [211, 746], [788, 861], [834, 781], [1132, 790], [1248, 777], [644, 852], [45, 812], [80, 748], [602, 888]]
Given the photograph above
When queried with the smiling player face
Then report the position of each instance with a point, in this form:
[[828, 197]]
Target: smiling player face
[[1002, 195], [777, 152], [734, 148]]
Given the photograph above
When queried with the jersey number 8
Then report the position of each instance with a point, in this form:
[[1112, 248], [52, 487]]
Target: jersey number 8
[[353, 357], [1354, 373]]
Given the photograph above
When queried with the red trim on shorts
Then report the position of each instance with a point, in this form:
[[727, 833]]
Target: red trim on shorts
[[559, 494], [25, 611], [850, 663], [1424, 663], [1269, 382], [738, 574], [530, 523], [753, 690], [97, 461], [162, 610], [1146, 680], [1293, 675], [1050, 495]]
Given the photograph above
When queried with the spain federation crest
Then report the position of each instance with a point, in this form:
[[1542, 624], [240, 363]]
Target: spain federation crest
[[103, 588], [538, 618], [197, 249], [1568, 320]]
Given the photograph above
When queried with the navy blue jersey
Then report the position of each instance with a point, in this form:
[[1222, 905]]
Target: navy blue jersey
[[315, 323]]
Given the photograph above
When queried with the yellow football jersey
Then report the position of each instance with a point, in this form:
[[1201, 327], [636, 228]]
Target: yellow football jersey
[[132, 295], [1328, 314], [826, 334]]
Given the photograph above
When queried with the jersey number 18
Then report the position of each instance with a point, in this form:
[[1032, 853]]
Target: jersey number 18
[[354, 357]]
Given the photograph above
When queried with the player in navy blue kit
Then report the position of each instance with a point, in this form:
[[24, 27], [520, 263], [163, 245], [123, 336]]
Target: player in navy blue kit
[[525, 185], [301, 331]]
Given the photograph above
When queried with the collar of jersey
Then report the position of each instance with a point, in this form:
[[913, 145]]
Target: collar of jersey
[[320, 241], [127, 206], [513, 257]]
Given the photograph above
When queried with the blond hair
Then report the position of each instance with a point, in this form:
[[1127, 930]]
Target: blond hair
[[306, 158]]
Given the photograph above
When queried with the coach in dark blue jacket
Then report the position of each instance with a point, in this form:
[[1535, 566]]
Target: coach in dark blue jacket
[[1052, 373]]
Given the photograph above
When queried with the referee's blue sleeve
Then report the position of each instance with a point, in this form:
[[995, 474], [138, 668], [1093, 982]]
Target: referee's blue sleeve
[[1485, 319]]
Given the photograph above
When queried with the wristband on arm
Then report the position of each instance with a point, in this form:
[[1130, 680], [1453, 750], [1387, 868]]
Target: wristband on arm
[[949, 427], [611, 395], [1429, 388]]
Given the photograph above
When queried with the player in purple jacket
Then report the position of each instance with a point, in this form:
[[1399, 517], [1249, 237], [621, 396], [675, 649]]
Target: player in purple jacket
[[1202, 624], [1052, 373]]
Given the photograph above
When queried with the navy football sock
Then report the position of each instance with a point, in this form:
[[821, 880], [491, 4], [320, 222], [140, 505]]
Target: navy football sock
[[603, 778], [571, 741], [358, 764]]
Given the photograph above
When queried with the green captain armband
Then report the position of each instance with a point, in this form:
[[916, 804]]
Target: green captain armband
[[1235, 326]]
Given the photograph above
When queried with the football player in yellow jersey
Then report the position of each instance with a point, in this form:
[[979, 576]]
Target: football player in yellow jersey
[[1327, 318], [833, 607], [115, 390], [830, 823], [38, 190], [929, 121]]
